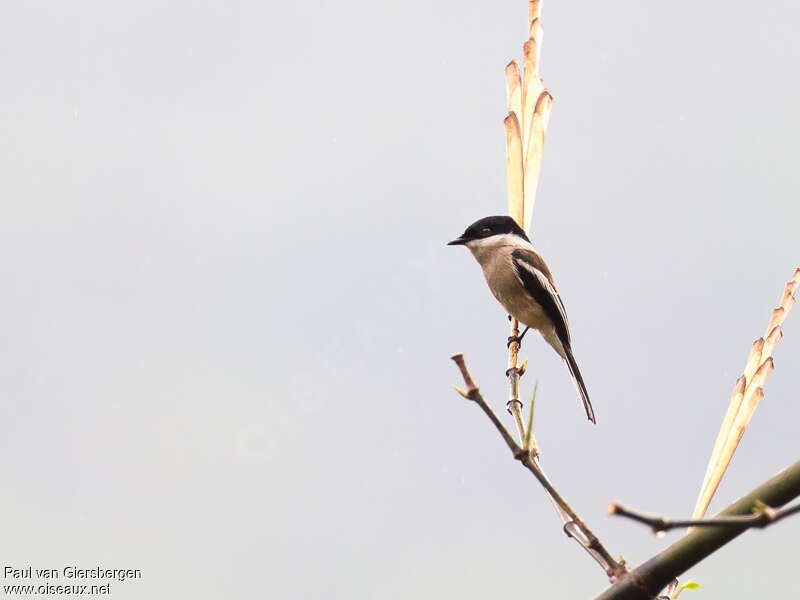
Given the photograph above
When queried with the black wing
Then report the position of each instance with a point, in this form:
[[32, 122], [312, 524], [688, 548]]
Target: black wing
[[535, 276]]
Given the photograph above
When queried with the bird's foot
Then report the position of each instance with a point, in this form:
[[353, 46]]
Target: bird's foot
[[517, 338]]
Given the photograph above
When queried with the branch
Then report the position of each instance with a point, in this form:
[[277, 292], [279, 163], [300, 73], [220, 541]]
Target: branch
[[645, 581], [473, 393], [574, 527], [761, 517]]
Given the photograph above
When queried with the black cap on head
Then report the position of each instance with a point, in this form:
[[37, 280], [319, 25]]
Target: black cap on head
[[489, 226]]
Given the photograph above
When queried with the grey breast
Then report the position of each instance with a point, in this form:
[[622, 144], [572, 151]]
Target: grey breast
[[506, 286]]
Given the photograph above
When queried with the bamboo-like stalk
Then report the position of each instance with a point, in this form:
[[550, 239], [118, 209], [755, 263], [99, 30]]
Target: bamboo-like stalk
[[747, 393], [528, 106]]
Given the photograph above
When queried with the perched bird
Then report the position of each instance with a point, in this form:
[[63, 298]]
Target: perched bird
[[522, 283]]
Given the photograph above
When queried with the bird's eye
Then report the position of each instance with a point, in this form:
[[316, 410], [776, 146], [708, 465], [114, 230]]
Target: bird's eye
[[486, 230]]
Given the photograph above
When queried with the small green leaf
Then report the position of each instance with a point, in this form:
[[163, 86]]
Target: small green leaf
[[529, 431], [689, 585]]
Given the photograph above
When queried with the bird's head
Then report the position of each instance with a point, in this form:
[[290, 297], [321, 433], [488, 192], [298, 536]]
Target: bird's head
[[491, 231]]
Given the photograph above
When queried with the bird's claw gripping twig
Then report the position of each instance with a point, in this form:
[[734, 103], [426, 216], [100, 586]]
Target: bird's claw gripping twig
[[517, 338]]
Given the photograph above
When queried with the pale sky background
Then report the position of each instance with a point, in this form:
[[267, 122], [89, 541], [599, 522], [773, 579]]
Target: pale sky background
[[229, 307]]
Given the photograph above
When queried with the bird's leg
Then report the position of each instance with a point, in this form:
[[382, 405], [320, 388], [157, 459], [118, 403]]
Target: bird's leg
[[517, 338]]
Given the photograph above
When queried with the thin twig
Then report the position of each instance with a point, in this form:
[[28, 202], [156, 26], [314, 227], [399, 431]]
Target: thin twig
[[514, 404], [574, 526], [761, 517], [473, 393], [583, 534]]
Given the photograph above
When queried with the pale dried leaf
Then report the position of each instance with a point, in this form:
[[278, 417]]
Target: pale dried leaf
[[776, 318], [753, 396], [733, 432], [514, 170], [534, 9], [759, 366], [754, 360], [788, 300], [733, 408], [514, 91], [760, 377], [772, 340], [533, 155], [733, 429], [531, 90], [536, 33]]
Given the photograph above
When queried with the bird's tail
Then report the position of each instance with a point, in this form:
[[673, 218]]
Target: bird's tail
[[578, 381]]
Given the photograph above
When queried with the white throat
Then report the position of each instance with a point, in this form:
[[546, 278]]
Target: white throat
[[483, 249]]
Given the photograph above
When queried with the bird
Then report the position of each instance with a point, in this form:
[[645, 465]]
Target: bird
[[521, 281]]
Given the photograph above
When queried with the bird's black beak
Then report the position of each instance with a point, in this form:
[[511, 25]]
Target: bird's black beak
[[460, 241]]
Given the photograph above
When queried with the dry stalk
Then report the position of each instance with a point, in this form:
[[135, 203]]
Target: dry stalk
[[528, 105], [747, 393]]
